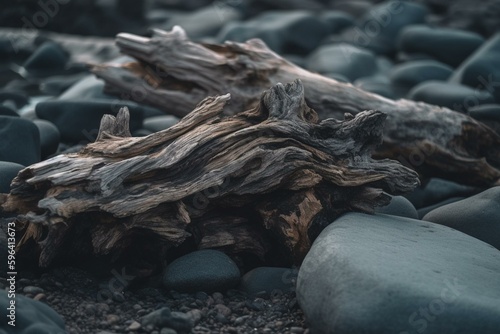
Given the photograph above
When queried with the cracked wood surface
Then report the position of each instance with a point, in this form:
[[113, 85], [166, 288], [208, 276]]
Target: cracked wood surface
[[265, 180], [173, 73]]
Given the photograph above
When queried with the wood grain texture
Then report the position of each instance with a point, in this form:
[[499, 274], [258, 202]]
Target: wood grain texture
[[173, 73], [270, 177]]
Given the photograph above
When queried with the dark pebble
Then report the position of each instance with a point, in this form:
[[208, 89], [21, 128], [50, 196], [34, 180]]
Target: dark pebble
[[48, 57], [347, 60], [454, 96], [477, 216], [49, 137], [205, 270], [399, 206], [450, 46], [407, 75], [297, 32], [482, 69], [379, 28], [79, 120], [20, 141]]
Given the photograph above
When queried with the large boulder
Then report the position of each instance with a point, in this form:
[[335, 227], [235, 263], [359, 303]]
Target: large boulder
[[379, 274]]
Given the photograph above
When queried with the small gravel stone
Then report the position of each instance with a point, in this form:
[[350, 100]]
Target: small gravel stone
[[134, 326], [32, 290]]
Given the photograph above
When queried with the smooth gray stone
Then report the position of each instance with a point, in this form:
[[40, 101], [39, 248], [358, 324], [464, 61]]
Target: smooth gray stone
[[425, 210], [337, 20], [379, 274], [7, 111], [89, 87], [206, 21], [379, 28], [19, 141], [407, 75], [296, 32], [79, 120], [8, 171], [450, 46], [203, 270], [49, 56], [437, 190], [486, 112], [482, 69], [477, 216], [269, 281], [355, 8], [453, 96], [49, 137], [399, 206], [32, 316], [376, 84], [347, 60]]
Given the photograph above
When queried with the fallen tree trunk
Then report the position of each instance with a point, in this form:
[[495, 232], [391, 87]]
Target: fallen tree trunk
[[174, 73], [272, 176]]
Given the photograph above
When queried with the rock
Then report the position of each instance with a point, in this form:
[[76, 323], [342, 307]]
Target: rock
[[49, 56], [32, 316], [79, 120], [488, 114], [337, 20], [399, 206], [454, 96], [388, 274], [32, 290], [20, 141], [376, 84], [223, 309], [134, 326], [7, 111], [158, 123], [56, 85], [425, 210], [355, 8], [378, 29], [296, 32], [485, 112], [8, 171], [206, 21], [160, 318], [477, 216], [450, 46], [88, 87], [437, 190], [17, 98], [407, 75], [482, 69], [268, 281], [204, 270], [49, 137], [168, 331], [467, 15], [344, 59]]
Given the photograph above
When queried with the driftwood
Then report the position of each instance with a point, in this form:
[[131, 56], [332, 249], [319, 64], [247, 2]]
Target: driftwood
[[269, 178], [174, 73]]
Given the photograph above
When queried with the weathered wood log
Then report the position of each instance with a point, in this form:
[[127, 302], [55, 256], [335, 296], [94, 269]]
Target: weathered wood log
[[174, 73], [270, 177]]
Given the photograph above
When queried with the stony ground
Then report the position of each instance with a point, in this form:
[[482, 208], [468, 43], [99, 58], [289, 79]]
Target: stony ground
[[82, 300]]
